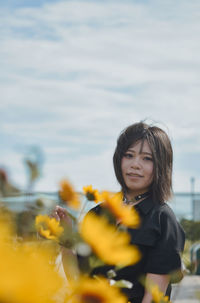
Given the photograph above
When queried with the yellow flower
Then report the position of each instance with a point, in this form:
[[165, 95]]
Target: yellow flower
[[157, 295], [27, 275], [124, 214], [88, 290], [68, 194], [91, 194], [110, 245], [48, 227]]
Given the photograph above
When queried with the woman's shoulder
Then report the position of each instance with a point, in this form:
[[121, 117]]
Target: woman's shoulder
[[98, 210], [166, 216], [170, 224], [166, 212], [164, 209]]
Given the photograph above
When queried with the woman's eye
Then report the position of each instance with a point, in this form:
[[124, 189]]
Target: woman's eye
[[148, 158], [127, 155]]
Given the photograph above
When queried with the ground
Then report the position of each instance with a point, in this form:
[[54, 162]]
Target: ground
[[187, 290]]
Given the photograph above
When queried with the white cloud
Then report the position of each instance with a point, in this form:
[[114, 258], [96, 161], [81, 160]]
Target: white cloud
[[75, 73], [93, 169]]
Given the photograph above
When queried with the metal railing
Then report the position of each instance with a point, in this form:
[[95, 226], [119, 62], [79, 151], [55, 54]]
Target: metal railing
[[184, 205]]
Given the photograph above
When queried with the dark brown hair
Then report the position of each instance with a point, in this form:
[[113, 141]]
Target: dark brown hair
[[162, 155]]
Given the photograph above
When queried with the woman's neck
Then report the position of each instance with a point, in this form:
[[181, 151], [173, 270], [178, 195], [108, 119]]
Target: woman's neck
[[134, 199]]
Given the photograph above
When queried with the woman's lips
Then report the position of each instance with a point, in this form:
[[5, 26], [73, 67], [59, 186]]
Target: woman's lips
[[134, 176]]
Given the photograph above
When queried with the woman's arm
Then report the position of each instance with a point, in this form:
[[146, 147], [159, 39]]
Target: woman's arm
[[70, 264], [161, 280], [69, 258]]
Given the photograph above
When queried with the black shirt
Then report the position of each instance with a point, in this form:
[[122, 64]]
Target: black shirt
[[160, 239]]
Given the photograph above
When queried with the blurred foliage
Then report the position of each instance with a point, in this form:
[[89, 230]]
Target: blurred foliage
[[192, 232], [6, 187], [25, 222], [192, 229], [33, 162], [186, 256], [34, 171]]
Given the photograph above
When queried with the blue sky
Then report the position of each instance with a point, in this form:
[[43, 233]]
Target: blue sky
[[75, 73]]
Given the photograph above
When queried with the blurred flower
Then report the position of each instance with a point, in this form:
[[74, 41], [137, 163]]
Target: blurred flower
[[91, 194], [157, 295], [124, 214], [68, 195], [27, 275], [88, 290], [48, 227], [110, 245]]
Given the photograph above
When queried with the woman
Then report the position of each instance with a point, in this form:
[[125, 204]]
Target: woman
[[143, 166]]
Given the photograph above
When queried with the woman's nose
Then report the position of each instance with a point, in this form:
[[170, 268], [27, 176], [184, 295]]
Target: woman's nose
[[135, 163]]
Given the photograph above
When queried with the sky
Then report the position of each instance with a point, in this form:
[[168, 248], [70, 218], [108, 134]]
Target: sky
[[75, 73]]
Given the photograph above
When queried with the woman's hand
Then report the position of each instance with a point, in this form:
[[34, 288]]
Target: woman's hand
[[60, 213]]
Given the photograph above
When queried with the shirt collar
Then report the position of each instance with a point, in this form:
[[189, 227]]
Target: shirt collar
[[145, 206]]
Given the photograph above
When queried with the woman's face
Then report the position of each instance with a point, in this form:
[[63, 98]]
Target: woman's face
[[137, 168]]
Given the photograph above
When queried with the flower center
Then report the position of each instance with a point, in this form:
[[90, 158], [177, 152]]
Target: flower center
[[90, 196], [91, 298]]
